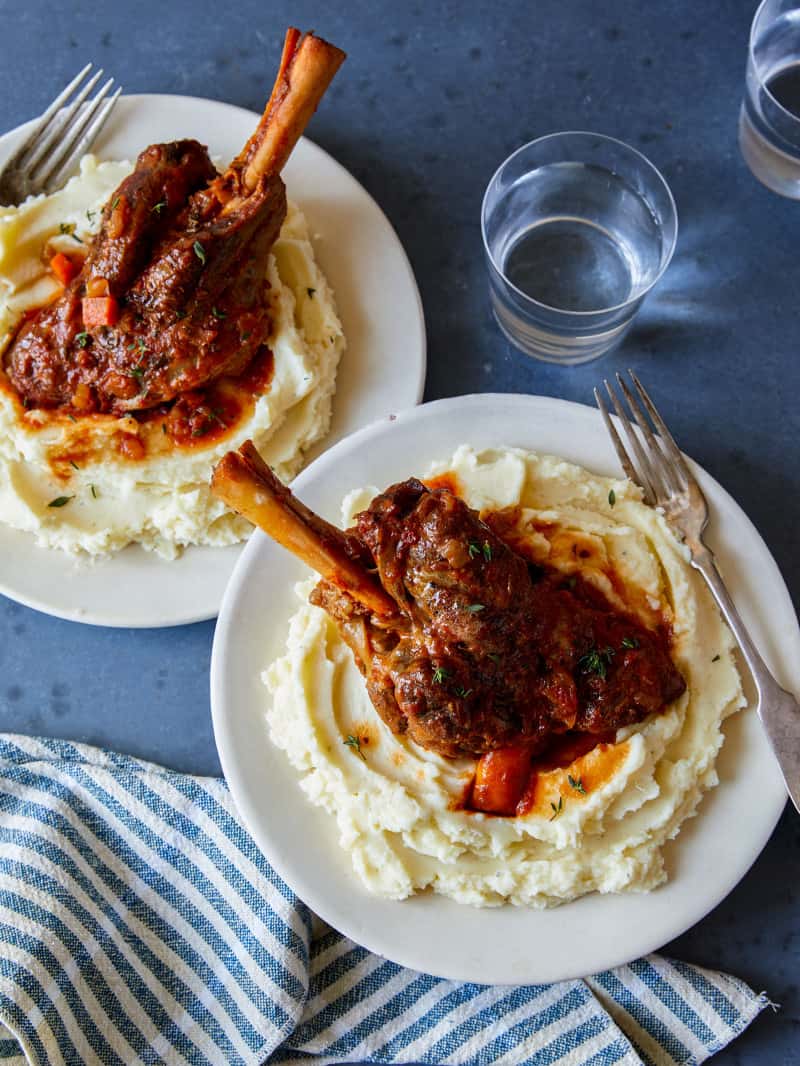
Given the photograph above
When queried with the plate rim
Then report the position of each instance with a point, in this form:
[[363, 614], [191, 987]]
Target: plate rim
[[113, 619], [249, 810]]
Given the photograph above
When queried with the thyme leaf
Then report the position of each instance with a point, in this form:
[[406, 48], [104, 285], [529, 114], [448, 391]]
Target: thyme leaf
[[354, 743], [596, 661]]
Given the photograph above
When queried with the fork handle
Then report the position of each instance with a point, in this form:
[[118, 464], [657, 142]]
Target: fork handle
[[778, 710]]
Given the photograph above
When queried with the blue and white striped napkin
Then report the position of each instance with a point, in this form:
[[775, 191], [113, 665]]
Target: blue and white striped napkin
[[139, 923]]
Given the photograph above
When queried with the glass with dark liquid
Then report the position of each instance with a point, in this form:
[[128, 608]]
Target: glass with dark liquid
[[769, 126]]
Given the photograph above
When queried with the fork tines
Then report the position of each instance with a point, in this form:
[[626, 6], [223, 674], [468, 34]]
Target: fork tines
[[63, 134], [653, 460]]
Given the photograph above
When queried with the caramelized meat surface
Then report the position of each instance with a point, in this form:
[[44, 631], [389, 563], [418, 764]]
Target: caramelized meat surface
[[172, 294], [486, 651], [188, 282]]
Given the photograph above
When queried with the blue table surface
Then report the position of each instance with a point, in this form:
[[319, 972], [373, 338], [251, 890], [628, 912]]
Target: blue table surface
[[431, 99]]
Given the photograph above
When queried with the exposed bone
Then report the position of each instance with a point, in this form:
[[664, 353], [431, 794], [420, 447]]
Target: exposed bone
[[247, 485], [308, 65]]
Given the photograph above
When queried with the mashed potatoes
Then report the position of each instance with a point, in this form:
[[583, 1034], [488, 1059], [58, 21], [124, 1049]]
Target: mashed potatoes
[[596, 825], [102, 482]]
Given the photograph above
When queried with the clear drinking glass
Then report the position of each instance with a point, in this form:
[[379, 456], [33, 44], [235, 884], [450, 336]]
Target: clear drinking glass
[[769, 123], [577, 229]]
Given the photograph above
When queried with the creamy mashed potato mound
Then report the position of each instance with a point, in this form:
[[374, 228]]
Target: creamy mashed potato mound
[[126, 481], [396, 805]]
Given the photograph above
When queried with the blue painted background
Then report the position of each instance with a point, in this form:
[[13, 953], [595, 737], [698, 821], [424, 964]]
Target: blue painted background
[[432, 97]]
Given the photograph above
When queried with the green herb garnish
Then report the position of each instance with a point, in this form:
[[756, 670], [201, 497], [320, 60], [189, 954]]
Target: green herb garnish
[[440, 674], [577, 784], [218, 314], [94, 491], [476, 549], [557, 809], [612, 498], [74, 465], [494, 657], [68, 229], [354, 743], [115, 203], [716, 658], [462, 693], [82, 339], [200, 252], [60, 501], [90, 216], [474, 608], [244, 336], [159, 207], [72, 418], [630, 642], [136, 372], [596, 662]]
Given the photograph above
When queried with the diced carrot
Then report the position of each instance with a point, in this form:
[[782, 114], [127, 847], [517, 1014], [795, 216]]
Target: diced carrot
[[100, 311], [82, 397], [63, 268]]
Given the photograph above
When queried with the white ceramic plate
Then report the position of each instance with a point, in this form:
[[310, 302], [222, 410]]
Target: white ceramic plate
[[432, 933], [383, 369]]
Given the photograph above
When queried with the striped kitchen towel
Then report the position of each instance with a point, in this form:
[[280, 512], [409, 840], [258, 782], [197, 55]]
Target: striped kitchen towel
[[140, 924]]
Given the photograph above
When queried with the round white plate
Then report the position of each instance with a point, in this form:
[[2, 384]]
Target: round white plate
[[431, 933], [382, 370]]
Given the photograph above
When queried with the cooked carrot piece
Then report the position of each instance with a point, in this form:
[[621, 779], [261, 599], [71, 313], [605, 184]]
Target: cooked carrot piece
[[100, 311], [500, 779], [63, 268]]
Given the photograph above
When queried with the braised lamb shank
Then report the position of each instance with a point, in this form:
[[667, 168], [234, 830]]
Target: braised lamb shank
[[463, 644], [172, 292]]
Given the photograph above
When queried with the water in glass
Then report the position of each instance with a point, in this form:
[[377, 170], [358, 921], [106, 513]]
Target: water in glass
[[600, 254]]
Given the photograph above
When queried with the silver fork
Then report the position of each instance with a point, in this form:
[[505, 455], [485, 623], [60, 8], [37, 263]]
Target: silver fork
[[58, 140], [654, 461]]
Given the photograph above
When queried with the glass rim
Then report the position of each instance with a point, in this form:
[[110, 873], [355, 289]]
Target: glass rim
[[667, 258], [751, 55]]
